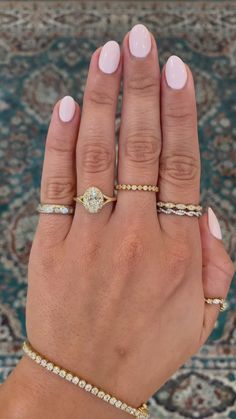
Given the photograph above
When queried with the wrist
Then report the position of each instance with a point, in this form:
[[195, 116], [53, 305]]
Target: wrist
[[31, 391]]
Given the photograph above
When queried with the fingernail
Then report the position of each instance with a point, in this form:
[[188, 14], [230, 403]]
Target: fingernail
[[176, 73], [214, 225], [109, 57], [67, 109], [140, 41]]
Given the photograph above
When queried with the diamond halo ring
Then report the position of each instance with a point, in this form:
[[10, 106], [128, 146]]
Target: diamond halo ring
[[93, 199]]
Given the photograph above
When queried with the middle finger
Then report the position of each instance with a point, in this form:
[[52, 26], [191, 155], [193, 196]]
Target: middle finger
[[140, 132]]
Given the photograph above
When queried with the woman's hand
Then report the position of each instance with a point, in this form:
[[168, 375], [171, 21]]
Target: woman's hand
[[118, 296]]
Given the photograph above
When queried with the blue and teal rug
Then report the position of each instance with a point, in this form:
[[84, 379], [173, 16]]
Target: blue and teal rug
[[45, 49]]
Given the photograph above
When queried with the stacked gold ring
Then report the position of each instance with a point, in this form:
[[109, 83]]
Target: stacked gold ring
[[190, 210], [147, 188]]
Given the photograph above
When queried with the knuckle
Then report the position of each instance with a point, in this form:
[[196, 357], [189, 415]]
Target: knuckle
[[179, 167], [179, 115], [96, 157], [100, 96], [142, 85], [58, 188], [142, 146], [58, 143], [129, 252]]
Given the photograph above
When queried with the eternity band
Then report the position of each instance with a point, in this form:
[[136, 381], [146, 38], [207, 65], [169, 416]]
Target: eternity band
[[221, 301], [148, 188], [141, 412], [56, 209]]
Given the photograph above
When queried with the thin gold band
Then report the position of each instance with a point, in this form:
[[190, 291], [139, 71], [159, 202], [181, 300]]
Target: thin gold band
[[141, 412], [148, 188]]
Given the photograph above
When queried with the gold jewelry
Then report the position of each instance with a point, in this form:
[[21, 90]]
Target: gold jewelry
[[141, 412], [93, 199], [179, 209], [221, 301], [56, 209], [149, 188]]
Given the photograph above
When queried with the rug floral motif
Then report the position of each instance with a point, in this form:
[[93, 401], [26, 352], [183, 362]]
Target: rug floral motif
[[45, 49]]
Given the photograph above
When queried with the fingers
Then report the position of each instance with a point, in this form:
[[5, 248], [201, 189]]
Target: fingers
[[140, 133], [218, 268], [96, 142], [58, 178], [179, 176]]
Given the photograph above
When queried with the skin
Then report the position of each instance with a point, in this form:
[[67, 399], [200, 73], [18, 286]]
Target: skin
[[118, 297]]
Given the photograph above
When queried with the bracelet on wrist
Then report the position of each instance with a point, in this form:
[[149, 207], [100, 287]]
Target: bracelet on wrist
[[140, 412]]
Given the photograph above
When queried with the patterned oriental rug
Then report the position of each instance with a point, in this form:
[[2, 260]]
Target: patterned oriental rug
[[45, 49]]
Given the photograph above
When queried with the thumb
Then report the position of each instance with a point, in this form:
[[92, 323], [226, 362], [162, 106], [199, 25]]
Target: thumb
[[217, 269]]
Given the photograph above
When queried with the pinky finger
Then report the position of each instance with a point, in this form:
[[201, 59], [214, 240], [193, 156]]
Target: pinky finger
[[218, 269], [58, 184]]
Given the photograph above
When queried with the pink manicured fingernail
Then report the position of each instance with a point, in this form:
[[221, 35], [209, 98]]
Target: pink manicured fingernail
[[140, 41], [109, 57], [67, 109], [176, 73], [214, 225]]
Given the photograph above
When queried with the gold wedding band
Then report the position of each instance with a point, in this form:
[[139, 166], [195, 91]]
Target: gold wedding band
[[221, 301], [93, 199], [148, 188], [56, 209]]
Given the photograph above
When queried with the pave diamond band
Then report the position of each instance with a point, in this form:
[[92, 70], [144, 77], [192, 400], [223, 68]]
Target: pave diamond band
[[148, 188], [141, 412], [190, 210], [56, 209], [221, 301], [93, 199]]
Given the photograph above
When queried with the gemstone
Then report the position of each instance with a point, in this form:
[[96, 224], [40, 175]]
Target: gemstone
[[101, 394], [107, 397], [33, 355], [38, 359], [118, 403], [145, 187], [123, 406], [43, 362], [69, 377], [128, 187], [88, 387], [128, 409], [94, 390], [93, 199], [134, 187], [216, 301], [112, 400], [75, 380], [49, 366], [139, 187], [82, 383], [56, 370], [62, 373]]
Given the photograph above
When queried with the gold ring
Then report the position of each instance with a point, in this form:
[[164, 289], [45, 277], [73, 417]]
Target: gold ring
[[93, 199], [56, 209], [221, 301], [148, 188]]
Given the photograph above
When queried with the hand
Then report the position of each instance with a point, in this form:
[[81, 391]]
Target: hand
[[118, 296]]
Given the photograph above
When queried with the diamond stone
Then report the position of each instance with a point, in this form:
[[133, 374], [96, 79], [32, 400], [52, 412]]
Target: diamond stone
[[112, 400], [49, 366], [38, 359], [69, 377], [82, 384], [101, 394], [56, 370], [88, 387], [75, 380], [123, 406], [107, 397], [43, 362], [62, 373], [94, 390], [118, 403], [93, 199]]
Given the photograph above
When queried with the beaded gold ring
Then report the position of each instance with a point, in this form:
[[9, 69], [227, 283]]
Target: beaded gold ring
[[147, 188]]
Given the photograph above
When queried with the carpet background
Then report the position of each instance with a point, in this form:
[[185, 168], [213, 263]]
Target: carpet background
[[45, 49]]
